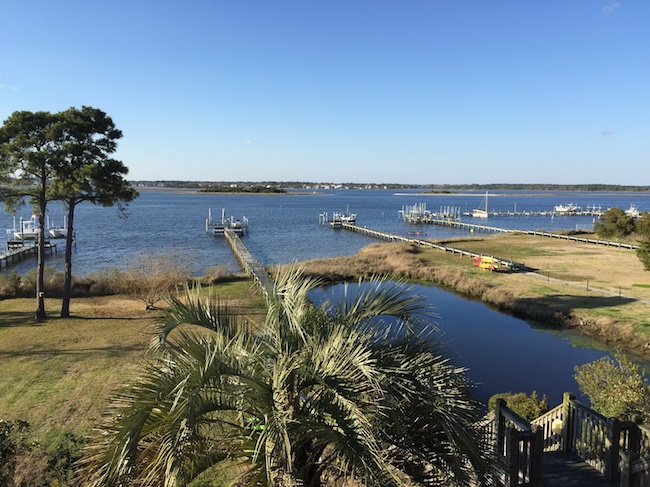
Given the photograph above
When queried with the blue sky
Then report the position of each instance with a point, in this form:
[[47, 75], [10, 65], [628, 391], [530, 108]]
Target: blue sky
[[554, 91]]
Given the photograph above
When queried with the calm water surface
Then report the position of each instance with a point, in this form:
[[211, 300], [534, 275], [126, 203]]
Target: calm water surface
[[502, 353]]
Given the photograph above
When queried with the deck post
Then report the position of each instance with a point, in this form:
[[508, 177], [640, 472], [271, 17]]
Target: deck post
[[500, 426], [627, 457], [612, 452], [512, 457], [537, 450], [567, 427]]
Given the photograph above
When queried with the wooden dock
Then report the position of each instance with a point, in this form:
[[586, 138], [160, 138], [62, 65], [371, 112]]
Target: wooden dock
[[473, 227], [19, 251], [508, 264], [248, 263]]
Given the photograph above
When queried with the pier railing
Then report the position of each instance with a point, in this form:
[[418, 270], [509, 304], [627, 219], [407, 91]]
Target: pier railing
[[250, 265], [515, 447], [618, 450], [508, 264]]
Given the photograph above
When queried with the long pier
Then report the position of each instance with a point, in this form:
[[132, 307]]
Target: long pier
[[248, 263], [473, 227], [509, 264], [17, 251]]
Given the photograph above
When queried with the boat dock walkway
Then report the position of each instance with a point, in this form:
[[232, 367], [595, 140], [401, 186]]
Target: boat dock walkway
[[18, 251], [515, 266], [473, 227], [248, 263]]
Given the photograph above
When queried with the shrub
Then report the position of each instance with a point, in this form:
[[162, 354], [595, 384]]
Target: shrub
[[643, 253], [13, 440], [614, 223], [152, 277], [528, 407], [10, 284], [616, 387]]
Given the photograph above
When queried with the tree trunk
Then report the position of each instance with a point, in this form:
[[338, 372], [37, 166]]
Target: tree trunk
[[67, 278], [40, 280]]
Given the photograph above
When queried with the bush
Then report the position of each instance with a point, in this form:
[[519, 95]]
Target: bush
[[616, 387], [13, 441], [10, 284], [528, 407], [152, 277], [62, 453], [643, 253], [614, 223]]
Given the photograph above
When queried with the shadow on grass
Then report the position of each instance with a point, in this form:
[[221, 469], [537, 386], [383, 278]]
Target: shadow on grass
[[81, 353], [10, 319], [18, 318]]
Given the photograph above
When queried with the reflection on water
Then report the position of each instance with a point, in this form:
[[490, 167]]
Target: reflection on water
[[503, 353]]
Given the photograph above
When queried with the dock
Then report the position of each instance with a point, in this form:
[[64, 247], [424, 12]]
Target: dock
[[248, 263], [473, 227], [227, 223], [502, 263], [419, 214], [18, 251]]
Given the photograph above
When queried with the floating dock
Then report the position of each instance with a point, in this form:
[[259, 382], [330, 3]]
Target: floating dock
[[230, 223]]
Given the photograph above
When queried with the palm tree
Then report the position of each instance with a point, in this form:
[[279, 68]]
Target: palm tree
[[355, 390]]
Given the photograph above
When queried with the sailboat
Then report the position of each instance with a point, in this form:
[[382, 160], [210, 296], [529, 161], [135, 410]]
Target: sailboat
[[481, 213]]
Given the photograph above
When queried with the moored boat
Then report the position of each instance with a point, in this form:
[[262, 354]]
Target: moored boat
[[566, 209], [481, 212]]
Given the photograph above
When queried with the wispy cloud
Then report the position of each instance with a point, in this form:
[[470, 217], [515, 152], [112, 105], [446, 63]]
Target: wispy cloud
[[6, 86], [605, 133], [611, 7]]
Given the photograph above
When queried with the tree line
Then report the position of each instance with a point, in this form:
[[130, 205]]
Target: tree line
[[616, 223], [64, 156]]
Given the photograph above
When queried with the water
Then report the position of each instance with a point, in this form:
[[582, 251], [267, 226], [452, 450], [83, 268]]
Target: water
[[502, 353], [284, 228]]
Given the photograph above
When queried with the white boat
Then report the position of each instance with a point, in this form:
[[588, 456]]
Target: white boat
[[481, 212], [339, 219], [633, 211], [566, 209], [27, 229], [57, 232]]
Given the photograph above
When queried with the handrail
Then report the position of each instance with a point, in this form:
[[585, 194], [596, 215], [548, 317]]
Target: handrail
[[518, 449]]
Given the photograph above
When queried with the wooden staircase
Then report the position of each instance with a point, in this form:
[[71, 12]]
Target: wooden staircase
[[571, 445]]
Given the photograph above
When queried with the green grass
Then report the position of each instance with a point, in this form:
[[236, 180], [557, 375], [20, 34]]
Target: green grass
[[644, 286], [61, 373]]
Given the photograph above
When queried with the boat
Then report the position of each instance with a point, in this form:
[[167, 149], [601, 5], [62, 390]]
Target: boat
[[349, 218], [633, 211], [27, 229], [486, 263], [340, 219], [230, 223], [57, 232], [481, 212], [567, 209]]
